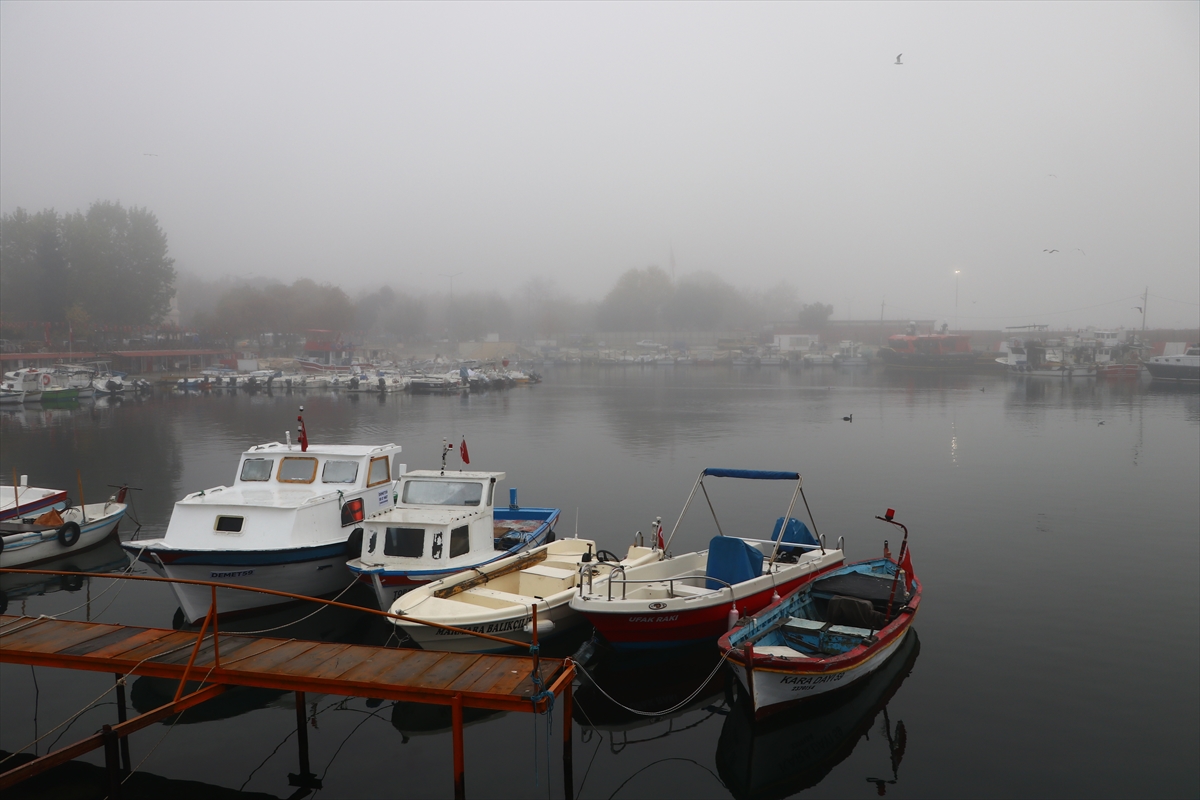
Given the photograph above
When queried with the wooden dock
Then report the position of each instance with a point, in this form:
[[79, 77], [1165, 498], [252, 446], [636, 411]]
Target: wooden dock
[[221, 660]]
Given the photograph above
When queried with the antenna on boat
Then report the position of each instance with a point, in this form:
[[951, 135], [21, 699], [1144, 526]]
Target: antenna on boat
[[576, 522], [446, 448]]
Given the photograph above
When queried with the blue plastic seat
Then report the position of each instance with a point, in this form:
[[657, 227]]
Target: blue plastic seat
[[796, 532], [732, 561]]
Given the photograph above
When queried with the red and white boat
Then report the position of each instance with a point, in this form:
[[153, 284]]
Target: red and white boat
[[697, 596], [826, 635], [23, 500]]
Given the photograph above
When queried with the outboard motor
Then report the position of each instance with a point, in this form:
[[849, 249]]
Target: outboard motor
[[354, 383], [112, 386]]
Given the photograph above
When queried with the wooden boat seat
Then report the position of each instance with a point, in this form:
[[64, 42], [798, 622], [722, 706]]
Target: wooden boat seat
[[779, 651], [490, 598]]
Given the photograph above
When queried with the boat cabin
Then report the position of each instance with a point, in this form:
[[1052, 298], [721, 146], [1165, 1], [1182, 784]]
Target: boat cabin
[[286, 496], [440, 521]]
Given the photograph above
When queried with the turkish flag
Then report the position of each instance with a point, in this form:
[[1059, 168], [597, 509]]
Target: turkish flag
[[462, 451], [906, 565]]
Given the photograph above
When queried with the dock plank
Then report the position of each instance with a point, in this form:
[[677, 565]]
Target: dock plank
[[405, 671], [309, 661], [117, 649], [163, 644], [445, 672], [270, 660], [111, 637], [343, 662], [68, 636], [482, 668]]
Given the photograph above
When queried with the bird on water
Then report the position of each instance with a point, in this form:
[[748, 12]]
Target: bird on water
[[899, 63], [848, 419]]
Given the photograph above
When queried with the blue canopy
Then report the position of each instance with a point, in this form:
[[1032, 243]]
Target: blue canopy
[[753, 474], [731, 561], [796, 532]]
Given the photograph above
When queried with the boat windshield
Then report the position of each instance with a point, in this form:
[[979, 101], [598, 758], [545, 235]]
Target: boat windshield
[[443, 493]]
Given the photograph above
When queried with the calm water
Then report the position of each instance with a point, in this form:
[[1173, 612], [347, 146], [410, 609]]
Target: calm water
[[1059, 638]]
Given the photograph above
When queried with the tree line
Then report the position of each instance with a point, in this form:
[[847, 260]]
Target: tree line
[[110, 266], [106, 266]]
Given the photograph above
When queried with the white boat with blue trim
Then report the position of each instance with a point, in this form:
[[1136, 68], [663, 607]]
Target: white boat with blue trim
[[57, 531], [444, 522], [289, 522]]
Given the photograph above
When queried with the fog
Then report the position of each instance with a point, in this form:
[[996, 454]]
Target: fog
[[402, 144]]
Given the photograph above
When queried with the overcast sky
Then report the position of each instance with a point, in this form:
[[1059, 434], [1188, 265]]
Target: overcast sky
[[403, 142]]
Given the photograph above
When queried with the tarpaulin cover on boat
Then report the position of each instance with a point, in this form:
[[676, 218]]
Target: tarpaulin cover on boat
[[732, 561], [797, 533], [753, 474]]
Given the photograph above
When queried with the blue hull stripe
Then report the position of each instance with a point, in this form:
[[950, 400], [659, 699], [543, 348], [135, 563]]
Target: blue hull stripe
[[246, 558]]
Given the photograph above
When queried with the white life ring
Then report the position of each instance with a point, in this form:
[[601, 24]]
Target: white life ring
[[45, 380]]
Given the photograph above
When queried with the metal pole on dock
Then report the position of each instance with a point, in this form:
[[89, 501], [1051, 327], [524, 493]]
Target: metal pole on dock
[[460, 779], [121, 716]]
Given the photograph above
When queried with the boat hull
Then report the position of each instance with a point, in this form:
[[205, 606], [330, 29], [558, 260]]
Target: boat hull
[[309, 571], [1181, 372], [707, 619], [1043, 371], [21, 550], [774, 689], [553, 620]]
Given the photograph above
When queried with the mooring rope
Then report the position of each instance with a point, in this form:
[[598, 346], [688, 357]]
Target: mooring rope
[[664, 712]]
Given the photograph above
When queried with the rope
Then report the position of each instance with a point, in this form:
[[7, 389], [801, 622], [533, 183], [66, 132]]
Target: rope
[[320, 607], [71, 718], [125, 571], [664, 712]]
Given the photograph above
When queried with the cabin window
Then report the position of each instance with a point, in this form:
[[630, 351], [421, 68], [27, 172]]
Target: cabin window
[[443, 493], [404, 542], [339, 472], [297, 470], [378, 473], [371, 543], [229, 524], [460, 541], [257, 469]]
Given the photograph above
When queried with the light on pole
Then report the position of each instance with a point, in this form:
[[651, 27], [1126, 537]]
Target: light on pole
[[956, 274]]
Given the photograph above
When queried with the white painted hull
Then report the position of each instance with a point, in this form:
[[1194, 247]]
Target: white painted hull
[[560, 615], [28, 548], [309, 578], [781, 687]]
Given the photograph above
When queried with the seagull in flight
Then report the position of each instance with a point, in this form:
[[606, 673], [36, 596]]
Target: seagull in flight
[[1139, 308], [1049, 251], [899, 63], [153, 155], [1080, 249]]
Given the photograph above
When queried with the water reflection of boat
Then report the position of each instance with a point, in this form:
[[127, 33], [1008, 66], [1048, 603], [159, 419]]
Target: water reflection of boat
[[794, 751], [621, 684], [107, 557], [424, 719], [80, 779]]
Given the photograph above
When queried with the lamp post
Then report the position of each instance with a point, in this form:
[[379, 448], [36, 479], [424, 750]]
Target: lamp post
[[451, 277], [956, 274]]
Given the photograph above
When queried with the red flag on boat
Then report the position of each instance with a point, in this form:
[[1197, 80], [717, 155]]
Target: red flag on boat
[[462, 451], [906, 565]]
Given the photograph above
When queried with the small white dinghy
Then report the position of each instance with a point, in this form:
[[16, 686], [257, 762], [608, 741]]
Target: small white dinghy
[[28, 540], [498, 598]]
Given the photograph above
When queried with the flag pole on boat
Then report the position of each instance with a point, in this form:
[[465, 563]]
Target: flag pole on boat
[[889, 517]]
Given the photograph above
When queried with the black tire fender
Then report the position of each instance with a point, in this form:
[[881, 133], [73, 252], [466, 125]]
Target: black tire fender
[[68, 534]]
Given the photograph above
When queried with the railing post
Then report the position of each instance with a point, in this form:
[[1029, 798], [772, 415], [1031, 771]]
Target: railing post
[[196, 649], [460, 778], [121, 716], [112, 762], [568, 760], [216, 643]]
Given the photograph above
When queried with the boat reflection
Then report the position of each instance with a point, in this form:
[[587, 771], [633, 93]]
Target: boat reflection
[[795, 750], [305, 621], [104, 557], [420, 719], [650, 681]]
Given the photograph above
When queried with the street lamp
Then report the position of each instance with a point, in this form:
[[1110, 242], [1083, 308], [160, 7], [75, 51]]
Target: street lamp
[[451, 277], [956, 274]]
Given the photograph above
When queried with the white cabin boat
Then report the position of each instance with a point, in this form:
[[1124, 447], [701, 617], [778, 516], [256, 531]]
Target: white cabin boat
[[849, 354], [443, 523], [284, 524], [499, 598], [23, 500]]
